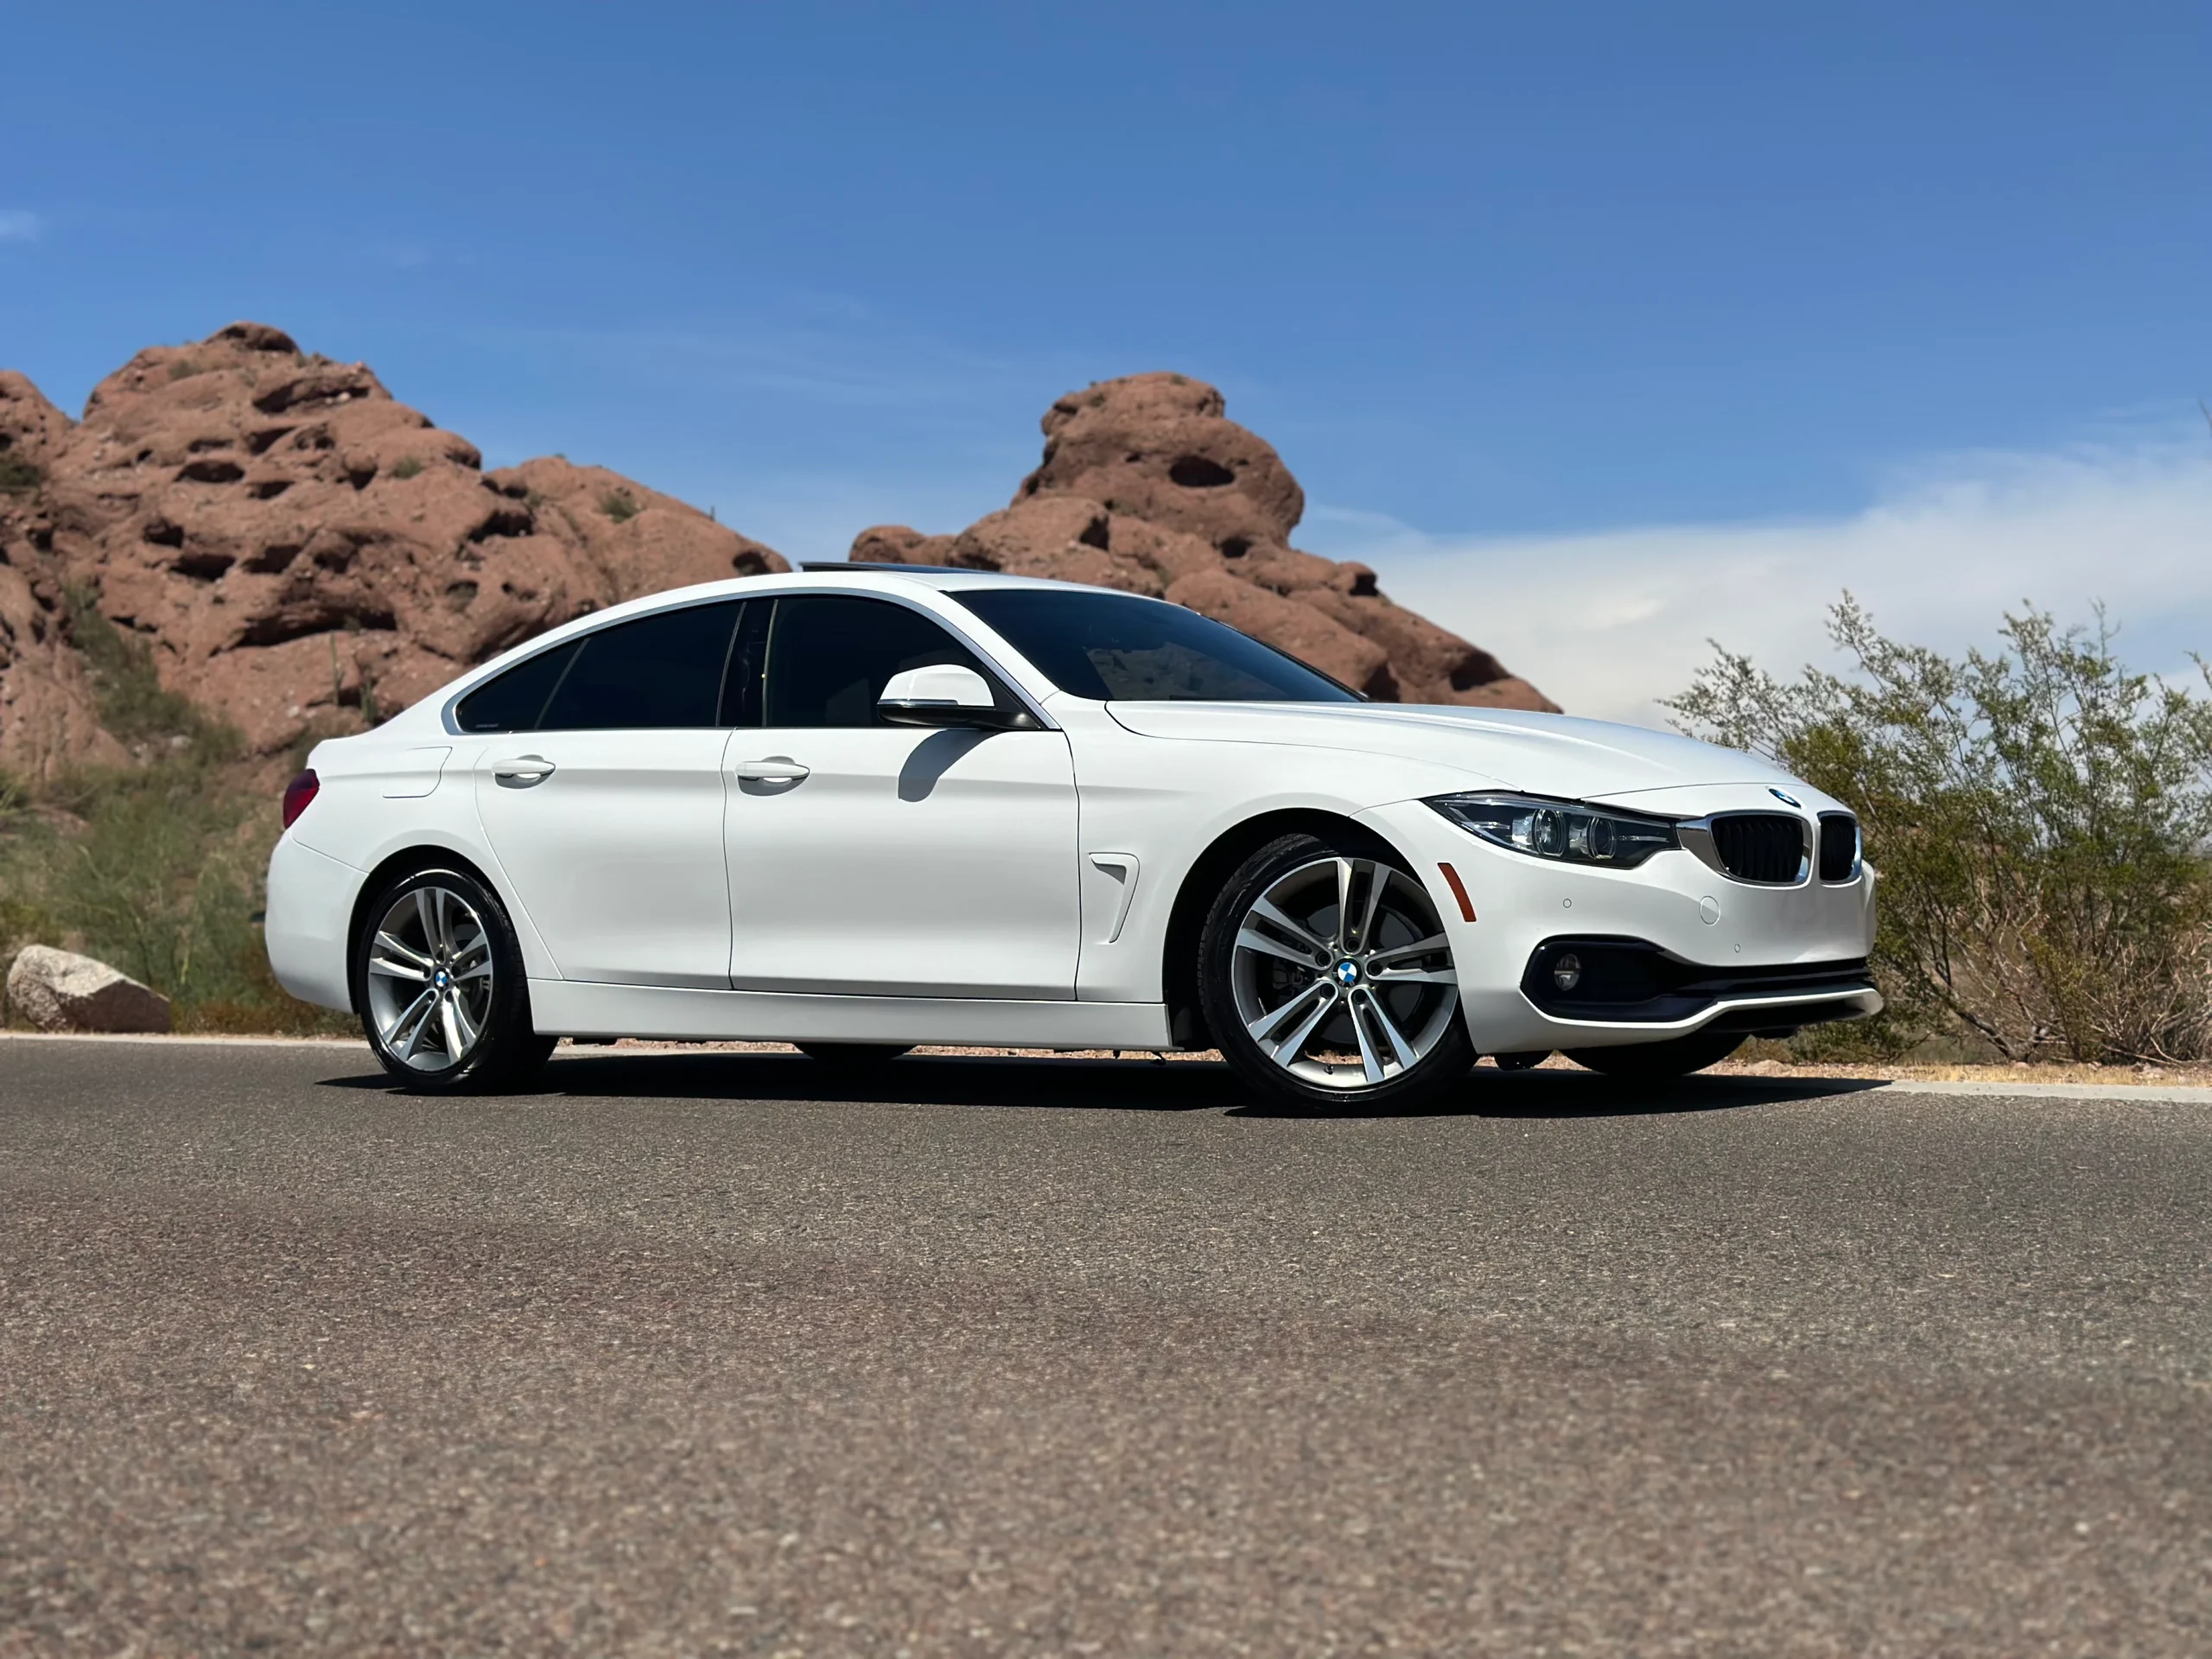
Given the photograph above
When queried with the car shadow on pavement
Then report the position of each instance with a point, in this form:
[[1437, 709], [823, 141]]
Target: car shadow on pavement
[[1067, 1084]]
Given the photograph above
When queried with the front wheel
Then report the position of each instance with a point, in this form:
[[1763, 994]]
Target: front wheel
[[442, 993], [1328, 981], [1658, 1062]]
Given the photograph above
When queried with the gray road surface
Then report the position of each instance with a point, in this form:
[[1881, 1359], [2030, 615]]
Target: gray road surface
[[690, 1353]]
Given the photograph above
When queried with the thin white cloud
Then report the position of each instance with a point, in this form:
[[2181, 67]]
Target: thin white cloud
[[16, 226], [1609, 622]]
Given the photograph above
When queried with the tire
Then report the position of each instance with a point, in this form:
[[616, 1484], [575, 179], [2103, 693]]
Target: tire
[[1319, 1017], [440, 989], [1658, 1062], [854, 1056]]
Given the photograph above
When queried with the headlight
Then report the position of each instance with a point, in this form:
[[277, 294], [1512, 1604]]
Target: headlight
[[1575, 835]]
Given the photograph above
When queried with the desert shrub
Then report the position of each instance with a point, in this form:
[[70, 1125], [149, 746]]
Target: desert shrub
[[154, 866], [2040, 817], [17, 475], [619, 506], [407, 467]]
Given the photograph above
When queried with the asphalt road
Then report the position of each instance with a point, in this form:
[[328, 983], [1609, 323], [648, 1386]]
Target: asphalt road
[[692, 1353]]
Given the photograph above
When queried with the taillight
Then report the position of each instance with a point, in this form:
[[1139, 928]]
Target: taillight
[[298, 793]]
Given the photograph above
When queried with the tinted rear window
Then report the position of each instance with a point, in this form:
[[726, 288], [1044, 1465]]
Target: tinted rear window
[[514, 701], [1124, 649], [658, 671]]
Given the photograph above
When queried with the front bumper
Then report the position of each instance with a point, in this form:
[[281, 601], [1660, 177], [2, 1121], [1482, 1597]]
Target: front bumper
[[1735, 933]]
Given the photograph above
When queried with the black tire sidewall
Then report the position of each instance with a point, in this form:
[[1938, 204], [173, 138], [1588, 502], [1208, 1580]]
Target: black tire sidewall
[[1443, 1068], [511, 1047]]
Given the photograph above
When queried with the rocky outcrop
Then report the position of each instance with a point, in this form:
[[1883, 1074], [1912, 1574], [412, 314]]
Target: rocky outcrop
[[59, 991], [300, 549], [296, 552], [1146, 485]]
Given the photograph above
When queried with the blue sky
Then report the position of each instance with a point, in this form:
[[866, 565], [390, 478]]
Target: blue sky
[[1504, 284]]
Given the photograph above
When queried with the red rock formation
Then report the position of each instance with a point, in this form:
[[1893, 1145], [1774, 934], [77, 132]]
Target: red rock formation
[[1146, 486], [300, 553], [297, 546]]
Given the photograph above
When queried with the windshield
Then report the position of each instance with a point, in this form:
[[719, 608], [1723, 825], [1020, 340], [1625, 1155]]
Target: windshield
[[1118, 648]]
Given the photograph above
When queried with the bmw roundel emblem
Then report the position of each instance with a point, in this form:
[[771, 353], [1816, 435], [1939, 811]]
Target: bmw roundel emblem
[[1347, 973], [1787, 800]]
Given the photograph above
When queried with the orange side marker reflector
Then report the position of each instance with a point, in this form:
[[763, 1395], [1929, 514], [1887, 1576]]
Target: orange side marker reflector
[[1458, 891]]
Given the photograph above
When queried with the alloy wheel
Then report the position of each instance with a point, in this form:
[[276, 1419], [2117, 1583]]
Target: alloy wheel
[[1342, 975], [429, 979]]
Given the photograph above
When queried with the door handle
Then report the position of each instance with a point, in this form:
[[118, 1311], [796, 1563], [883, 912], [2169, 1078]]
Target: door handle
[[522, 771], [775, 769]]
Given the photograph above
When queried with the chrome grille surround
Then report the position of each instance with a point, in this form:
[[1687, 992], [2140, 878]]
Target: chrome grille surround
[[1753, 847]]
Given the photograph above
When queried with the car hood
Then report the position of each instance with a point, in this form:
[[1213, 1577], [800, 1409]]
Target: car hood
[[1556, 755]]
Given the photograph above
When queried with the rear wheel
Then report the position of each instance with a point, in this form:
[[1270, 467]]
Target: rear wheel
[[1657, 1062], [1328, 981], [443, 997]]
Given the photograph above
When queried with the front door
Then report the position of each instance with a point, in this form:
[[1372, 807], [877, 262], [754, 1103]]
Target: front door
[[602, 799], [872, 859]]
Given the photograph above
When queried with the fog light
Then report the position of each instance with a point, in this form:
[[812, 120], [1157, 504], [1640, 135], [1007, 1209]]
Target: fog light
[[1566, 972]]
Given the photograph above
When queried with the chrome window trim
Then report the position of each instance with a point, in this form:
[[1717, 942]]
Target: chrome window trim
[[989, 658]]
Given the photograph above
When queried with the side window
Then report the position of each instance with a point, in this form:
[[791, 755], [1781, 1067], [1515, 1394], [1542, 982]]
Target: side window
[[829, 657], [660, 671], [514, 701]]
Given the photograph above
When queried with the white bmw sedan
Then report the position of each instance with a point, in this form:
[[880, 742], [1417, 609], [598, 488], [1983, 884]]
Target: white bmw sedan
[[862, 808]]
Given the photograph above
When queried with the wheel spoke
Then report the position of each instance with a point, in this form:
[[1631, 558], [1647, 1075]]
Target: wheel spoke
[[1435, 941], [1266, 911], [1250, 938], [397, 962], [1408, 1055], [1345, 867], [418, 1011], [389, 942], [1415, 976], [1378, 883], [426, 913], [1369, 1062], [1321, 994], [450, 1020], [481, 970]]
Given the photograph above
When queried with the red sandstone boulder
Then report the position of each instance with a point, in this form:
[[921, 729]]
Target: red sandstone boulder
[[1146, 486]]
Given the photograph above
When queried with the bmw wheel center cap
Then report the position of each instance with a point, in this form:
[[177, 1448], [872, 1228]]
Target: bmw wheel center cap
[[1347, 973]]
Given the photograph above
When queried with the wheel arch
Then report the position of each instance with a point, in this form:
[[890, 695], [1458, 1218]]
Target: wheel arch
[[1201, 885]]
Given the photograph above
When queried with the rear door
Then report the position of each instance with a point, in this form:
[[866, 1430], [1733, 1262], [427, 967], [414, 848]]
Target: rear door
[[602, 796], [872, 859]]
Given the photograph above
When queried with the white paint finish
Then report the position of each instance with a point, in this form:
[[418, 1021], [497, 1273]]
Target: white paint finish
[[310, 908], [415, 772], [977, 893], [573, 1009], [615, 852], [902, 862]]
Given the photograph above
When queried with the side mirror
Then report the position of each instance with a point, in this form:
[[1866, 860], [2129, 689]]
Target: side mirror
[[944, 695]]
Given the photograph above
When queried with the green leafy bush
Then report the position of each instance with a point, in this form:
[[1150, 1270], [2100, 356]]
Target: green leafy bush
[[2040, 817]]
